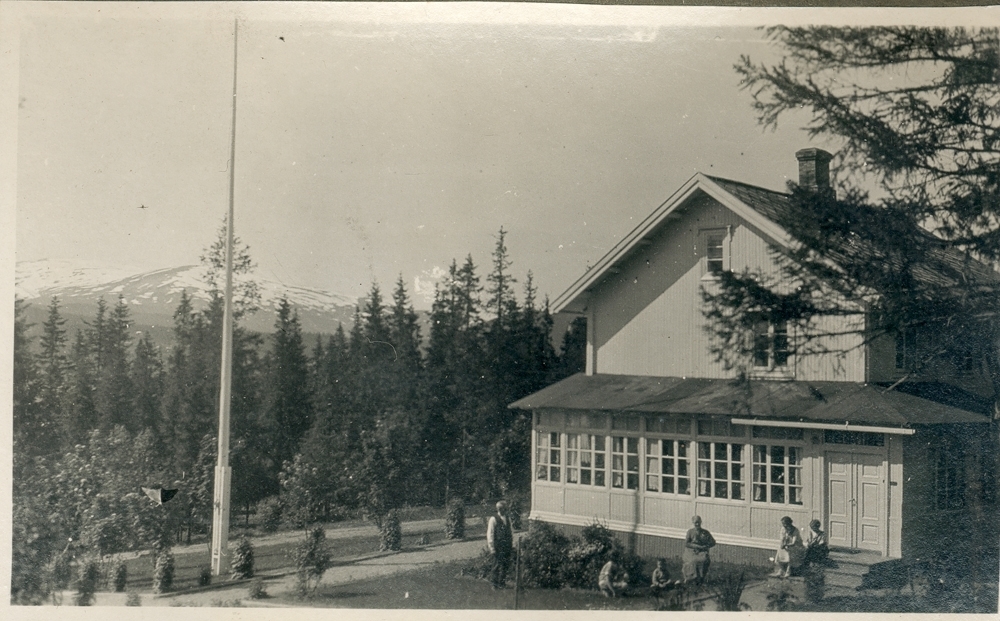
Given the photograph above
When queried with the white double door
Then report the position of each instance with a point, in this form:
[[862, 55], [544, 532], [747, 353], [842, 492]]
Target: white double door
[[856, 501]]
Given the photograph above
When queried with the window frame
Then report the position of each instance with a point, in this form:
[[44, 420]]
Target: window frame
[[713, 462], [768, 468], [597, 470], [548, 456], [776, 345], [677, 462], [625, 471], [723, 263]]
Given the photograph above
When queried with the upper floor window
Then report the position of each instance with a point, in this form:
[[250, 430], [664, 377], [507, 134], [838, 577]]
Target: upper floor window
[[770, 344], [715, 242]]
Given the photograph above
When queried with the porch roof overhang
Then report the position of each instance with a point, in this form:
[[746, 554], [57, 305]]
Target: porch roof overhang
[[842, 404]]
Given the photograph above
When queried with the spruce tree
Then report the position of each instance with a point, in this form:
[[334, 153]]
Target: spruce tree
[[53, 365]]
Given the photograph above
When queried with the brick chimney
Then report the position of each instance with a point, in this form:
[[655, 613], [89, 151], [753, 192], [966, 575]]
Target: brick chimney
[[814, 169]]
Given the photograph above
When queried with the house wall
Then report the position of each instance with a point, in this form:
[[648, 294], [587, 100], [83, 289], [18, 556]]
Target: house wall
[[646, 319], [741, 523], [929, 529]]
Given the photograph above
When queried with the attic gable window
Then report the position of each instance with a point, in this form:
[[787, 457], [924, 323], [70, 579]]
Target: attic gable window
[[770, 344], [715, 244]]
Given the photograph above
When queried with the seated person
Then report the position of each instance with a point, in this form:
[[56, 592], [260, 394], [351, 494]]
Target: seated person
[[661, 578], [817, 545], [613, 580]]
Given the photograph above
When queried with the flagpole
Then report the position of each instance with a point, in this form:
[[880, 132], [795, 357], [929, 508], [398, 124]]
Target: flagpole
[[223, 473]]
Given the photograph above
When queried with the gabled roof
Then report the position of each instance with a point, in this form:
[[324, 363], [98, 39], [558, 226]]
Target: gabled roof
[[756, 205], [762, 208], [799, 401]]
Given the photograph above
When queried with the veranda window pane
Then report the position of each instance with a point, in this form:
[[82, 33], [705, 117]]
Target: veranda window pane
[[777, 454], [737, 472], [598, 443], [554, 474], [683, 486], [571, 475], [599, 461], [777, 493], [703, 488], [737, 491], [599, 478], [585, 477], [668, 485], [720, 489], [720, 451], [541, 472], [704, 450]]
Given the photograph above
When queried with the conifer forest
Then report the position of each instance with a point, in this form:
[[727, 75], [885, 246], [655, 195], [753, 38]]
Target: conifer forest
[[360, 422]]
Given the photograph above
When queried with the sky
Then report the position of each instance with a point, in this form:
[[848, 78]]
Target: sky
[[374, 141]]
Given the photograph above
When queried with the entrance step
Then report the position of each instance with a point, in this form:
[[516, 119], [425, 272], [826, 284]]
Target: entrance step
[[849, 569]]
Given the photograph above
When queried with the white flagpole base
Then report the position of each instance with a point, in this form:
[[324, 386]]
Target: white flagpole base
[[220, 521]]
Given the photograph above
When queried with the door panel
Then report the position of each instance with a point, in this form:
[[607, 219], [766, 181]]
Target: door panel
[[870, 498], [855, 500], [840, 521]]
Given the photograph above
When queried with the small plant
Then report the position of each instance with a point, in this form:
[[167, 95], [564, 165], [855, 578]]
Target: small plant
[[205, 576], [312, 558], [454, 519], [780, 596], [256, 589], [226, 603], [86, 586], [163, 571], [132, 599], [815, 579], [119, 577], [242, 563], [729, 590], [269, 513], [391, 533]]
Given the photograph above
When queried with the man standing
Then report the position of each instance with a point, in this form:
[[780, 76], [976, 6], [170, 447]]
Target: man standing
[[500, 540]]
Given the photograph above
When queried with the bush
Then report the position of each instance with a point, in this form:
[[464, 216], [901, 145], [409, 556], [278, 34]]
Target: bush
[[543, 550], [815, 578], [204, 576], [516, 503], [132, 599], [391, 532], [163, 571], [119, 577], [312, 558], [86, 586], [242, 563], [256, 589], [454, 519], [62, 571], [729, 590], [269, 514]]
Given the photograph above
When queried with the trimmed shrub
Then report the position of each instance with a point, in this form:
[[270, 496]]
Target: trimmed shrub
[[86, 585], [242, 563], [256, 589], [132, 599], [543, 551], [454, 519], [312, 558], [119, 577], [269, 513], [391, 532], [204, 576], [163, 571]]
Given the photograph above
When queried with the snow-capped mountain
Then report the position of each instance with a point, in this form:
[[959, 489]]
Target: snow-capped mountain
[[153, 296]]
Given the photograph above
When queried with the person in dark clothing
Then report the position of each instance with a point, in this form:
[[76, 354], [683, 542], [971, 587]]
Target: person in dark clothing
[[500, 540]]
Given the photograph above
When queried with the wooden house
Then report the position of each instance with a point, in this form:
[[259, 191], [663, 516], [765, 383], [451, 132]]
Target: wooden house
[[655, 430]]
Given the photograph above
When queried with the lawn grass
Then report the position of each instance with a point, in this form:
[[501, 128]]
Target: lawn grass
[[442, 586]]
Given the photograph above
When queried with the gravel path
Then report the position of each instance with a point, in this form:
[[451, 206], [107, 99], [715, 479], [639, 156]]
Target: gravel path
[[363, 568]]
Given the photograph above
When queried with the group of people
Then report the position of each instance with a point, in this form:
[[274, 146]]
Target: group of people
[[697, 543], [793, 553]]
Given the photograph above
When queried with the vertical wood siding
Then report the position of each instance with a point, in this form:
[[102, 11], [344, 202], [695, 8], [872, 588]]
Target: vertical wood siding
[[646, 319]]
